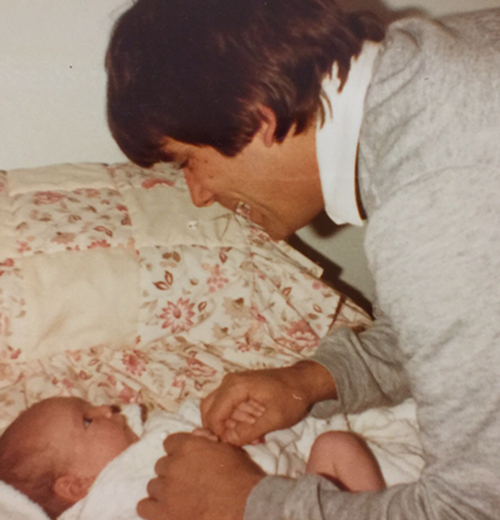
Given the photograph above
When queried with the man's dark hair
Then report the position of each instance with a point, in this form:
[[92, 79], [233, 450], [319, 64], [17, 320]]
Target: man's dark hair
[[198, 71]]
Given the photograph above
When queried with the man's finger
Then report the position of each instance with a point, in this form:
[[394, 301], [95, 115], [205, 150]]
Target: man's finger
[[161, 466], [223, 408], [151, 510], [156, 488], [205, 406], [174, 443]]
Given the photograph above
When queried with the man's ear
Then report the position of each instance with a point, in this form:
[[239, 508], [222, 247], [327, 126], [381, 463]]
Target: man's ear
[[72, 488], [268, 126]]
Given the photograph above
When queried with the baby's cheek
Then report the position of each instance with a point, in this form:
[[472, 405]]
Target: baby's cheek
[[131, 437], [117, 444]]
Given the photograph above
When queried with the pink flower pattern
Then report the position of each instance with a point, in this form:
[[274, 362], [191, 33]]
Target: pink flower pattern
[[152, 182], [23, 246], [178, 315], [135, 362], [99, 243], [301, 336], [47, 197], [216, 280], [223, 308]]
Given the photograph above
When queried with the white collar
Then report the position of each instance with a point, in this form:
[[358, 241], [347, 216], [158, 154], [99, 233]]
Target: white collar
[[337, 139]]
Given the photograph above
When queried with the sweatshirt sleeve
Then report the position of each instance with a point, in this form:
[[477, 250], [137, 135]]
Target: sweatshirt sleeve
[[367, 367], [316, 498]]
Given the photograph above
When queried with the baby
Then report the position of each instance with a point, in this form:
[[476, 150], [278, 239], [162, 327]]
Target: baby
[[54, 452]]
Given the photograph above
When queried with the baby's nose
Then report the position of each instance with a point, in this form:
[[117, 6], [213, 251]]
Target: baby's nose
[[102, 411]]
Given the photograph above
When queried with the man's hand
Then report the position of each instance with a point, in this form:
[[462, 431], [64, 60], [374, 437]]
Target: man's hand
[[249, 404], [200, 478]]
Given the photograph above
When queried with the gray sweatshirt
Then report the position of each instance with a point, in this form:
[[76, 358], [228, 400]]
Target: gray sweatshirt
[[429, 174]]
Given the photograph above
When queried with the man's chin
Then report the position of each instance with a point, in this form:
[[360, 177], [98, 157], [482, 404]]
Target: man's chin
[[277, 231]]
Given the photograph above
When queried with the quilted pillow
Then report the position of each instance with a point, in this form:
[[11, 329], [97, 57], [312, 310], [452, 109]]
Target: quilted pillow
[[117, 255]]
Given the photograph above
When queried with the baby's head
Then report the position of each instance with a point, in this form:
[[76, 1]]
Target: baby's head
[[55, 450]]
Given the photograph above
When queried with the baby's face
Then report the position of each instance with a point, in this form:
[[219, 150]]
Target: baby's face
[[86, 437]]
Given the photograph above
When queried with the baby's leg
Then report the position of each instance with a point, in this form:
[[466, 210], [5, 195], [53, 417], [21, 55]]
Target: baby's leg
[[346, 459]]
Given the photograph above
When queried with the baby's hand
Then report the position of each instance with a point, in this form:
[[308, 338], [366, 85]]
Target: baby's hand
[[247, 412], [205, 432]]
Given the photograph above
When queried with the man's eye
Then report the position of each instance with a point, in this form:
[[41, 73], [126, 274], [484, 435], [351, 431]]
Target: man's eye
[[87, 421]]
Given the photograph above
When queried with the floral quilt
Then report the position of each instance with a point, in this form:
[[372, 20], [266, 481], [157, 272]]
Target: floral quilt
[[115, 288]]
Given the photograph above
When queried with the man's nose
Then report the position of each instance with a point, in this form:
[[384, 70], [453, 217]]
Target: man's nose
[[200, 195]]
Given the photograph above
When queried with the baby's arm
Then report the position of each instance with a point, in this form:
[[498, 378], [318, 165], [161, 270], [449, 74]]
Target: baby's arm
[[346, 459]]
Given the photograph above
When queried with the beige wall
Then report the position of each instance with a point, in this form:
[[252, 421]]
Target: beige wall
[[52, 101], [344, 246], [440, 7]]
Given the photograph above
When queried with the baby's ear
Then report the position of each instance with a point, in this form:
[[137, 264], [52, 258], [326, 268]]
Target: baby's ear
[[72, 488]]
